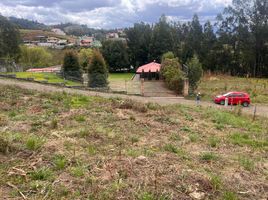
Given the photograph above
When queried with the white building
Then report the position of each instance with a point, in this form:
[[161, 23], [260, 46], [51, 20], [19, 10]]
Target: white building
[[58, 31]]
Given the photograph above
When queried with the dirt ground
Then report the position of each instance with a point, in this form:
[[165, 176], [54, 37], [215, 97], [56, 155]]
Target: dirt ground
[[261, 110]]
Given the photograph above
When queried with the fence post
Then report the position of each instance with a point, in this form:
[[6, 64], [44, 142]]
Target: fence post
[[126, 86], [254, 114], [142, 86], [186, 87]]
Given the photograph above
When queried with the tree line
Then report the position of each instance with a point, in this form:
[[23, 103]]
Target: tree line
[[237, 43]]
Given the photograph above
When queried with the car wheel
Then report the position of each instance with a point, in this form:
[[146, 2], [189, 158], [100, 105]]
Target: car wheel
[[222, 102], [245, 104]]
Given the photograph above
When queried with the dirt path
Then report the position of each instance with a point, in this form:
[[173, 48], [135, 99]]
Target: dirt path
[[261, 109]]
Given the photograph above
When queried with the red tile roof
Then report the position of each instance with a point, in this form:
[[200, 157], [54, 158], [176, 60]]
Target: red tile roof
[[48, 69], [153, 66]]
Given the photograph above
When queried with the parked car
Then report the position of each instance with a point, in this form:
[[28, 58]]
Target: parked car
[[234, 98]]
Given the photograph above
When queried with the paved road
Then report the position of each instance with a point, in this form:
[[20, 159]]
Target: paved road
[[262, 110]]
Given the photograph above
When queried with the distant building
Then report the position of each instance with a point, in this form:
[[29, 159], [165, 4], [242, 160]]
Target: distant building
[[96, 44], [58, 31], [112, 35], [61, 44], [85, 41], [52, 40], [151, 69]]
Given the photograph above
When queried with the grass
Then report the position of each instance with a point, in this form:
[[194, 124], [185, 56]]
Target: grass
[[120, 76], [34, 143], [49, 77], [114, 148], [211, 86]]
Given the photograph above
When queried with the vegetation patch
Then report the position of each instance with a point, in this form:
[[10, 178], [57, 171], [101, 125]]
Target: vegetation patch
[[76, 147]]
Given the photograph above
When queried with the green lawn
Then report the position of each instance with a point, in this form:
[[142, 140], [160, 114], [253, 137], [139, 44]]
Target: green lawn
[[215, 85], [120, 76], [50, 77]]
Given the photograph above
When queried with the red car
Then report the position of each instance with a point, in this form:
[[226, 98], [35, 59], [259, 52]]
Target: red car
[[234, 98]]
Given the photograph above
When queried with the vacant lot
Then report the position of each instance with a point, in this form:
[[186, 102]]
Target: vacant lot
[[59, 146], [215, 85]]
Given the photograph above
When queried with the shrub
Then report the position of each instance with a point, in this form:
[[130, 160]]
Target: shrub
[[41, 174], [208, 156], [59, 162], [194, 72], [34, 143], [84, 58], [171, 148], [71, 67], [172, 74], [4, 146], [97, 71], [35, 57]]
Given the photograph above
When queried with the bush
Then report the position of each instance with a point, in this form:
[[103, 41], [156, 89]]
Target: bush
[[97, 71], [85, 56], [172, 74], [71, 67], [34, 57], [194, 72]]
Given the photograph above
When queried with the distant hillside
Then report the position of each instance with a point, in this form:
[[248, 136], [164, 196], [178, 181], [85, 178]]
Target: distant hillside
[[32, 34], [28, 24], [79, 30]]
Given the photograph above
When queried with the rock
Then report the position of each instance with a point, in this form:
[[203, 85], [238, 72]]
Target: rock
[[197, 195], [141, 160]]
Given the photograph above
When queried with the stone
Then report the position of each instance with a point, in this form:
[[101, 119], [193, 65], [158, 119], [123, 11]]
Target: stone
[[197, 195]]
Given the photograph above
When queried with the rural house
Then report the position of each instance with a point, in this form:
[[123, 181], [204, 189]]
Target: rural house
[[149, 71]]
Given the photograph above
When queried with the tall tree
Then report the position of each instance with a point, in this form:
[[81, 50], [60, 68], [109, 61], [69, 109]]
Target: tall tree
[[97, 71], [207, 53], [162, 39], [71, 67], [9, 39], [138, 41], [116, 55]]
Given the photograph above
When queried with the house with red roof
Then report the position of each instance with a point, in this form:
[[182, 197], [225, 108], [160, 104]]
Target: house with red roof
[[149, 71]]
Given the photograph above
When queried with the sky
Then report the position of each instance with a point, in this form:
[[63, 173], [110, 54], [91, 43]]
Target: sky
[[111, 13]]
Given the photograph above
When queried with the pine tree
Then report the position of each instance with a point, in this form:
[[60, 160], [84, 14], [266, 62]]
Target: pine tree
[[97, 71], [71, 67]]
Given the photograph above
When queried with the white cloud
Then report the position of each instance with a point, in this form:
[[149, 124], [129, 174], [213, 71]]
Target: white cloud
[[110, 13]]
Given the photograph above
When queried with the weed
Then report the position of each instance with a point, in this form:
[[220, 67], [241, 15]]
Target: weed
[[213, 141], [54, 124], [189, 117], [59, 162], [208, 156], [61, 191], [41, 174], [171, 148], [229, 196], [4, 146], [77, 171], [175, 137], [186, 129], [193, 137], [3, 121], [80, 118], [216, 182], [246, 163], [134, 139], [33, 143], [152, 106], [91, 149], [133, 152], [242, 139]]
